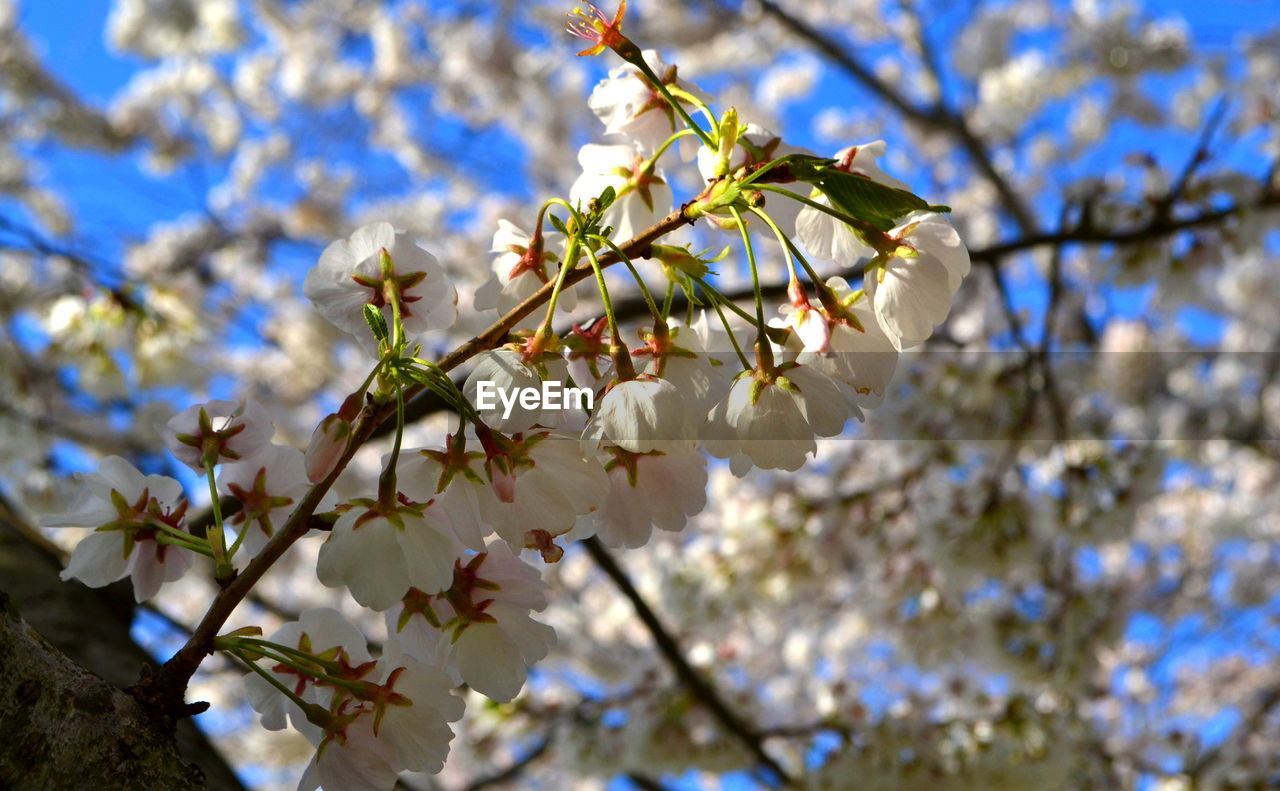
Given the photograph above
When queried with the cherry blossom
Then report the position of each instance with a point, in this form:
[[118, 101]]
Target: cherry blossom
[[541, 484], [378, 551], [756, 146], [853, 348], [522, 266], [267, 486], [641, 415], [480, 628], [773, 419], [660, 489], [128, 511], [629, 105], [911, 290], [510, 370], [218, 432], [642, 193], [322, 632], [396, 720], [375, 266]]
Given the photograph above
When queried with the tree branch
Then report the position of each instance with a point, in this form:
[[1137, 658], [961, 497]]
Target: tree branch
[[698, 686], [938, 117]]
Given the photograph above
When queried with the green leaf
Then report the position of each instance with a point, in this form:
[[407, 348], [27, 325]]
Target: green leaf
[[557, 223], [377, 322], [606, 199], [867, 200], [792, 167]]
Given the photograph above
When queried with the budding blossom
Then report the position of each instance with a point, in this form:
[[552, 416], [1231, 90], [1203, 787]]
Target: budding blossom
[[480, 629], [378, 266], [642, 194], [329, 440], [217, 432], [756, 146], [912, 289], [129, 512]]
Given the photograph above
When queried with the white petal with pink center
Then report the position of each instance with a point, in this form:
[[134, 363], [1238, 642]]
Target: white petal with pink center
[[659, 490], [350, 275], [236, 430], [267, 486], [130, 547], [642, 197]]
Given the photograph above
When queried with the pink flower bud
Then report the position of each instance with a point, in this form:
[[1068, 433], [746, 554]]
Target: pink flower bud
[[327, 443]]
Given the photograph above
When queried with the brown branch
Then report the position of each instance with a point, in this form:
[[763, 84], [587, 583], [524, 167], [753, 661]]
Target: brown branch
[[697, 685]]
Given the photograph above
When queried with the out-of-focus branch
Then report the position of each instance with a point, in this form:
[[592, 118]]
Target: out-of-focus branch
[[939, 117], [666, 643], [516, 768]]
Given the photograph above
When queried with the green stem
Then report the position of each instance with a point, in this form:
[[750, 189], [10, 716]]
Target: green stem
[[215, 534], [746, 364], [662, 149], [675, 104], [387, 488], [764, 355], [644, 289], [787, 250], [852, 222], [570, 259], [669, 299], [197, 546], [269, 676], [617, 349], [710, 289], [681, 93]]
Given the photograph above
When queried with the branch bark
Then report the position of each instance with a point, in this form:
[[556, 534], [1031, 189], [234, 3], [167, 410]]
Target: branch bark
[[90, 628], [63, 727]]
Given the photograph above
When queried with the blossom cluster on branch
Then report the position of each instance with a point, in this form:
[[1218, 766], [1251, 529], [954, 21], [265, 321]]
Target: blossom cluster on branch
[[434, 547]]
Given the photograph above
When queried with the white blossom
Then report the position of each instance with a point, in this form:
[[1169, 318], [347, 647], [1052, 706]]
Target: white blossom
[[220, 431], [642, 194], [367, 269], [129, 512], [911, 291]]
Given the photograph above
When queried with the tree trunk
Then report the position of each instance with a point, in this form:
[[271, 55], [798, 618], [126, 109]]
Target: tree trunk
[[62, 726]]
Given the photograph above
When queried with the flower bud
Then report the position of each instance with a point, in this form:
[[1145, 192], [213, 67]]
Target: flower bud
[[330, 439]]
